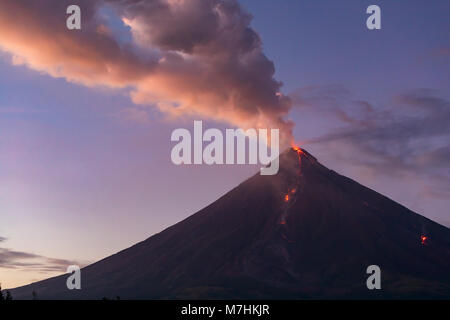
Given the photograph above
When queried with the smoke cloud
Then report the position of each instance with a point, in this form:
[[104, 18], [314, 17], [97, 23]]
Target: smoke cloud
[[186, 57]]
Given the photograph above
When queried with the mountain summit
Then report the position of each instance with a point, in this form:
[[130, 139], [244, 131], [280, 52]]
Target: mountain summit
[[306, 232]]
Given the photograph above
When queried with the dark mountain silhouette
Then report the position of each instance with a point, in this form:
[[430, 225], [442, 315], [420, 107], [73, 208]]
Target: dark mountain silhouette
[[306, 232]]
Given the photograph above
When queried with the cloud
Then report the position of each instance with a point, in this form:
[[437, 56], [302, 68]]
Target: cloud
[[410, 138], [334, 101], [187, 58], [12, 259]]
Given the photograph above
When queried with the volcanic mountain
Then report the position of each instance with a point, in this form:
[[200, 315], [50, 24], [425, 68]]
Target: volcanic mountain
[[306, 232]]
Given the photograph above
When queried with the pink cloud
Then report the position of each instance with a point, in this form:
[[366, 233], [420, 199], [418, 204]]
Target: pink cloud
[[195, 58]]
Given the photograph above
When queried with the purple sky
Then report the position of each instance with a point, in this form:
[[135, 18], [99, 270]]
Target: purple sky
[[85, 170]]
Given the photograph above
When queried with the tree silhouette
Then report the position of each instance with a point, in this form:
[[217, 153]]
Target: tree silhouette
[[7, 297]]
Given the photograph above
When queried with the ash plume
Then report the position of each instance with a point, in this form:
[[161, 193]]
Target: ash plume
[[187, 58]]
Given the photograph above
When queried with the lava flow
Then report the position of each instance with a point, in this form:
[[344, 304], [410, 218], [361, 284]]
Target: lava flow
[[298, 149], [287, 196], [292, 191], [423, 240], [291, 194], [299, 154]]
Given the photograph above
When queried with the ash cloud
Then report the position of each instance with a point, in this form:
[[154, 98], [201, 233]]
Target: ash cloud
[[187, 58]]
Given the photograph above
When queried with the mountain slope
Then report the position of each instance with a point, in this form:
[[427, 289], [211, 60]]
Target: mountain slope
[[306, 232]]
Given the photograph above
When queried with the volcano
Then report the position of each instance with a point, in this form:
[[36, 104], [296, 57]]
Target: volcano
[[306, 232]]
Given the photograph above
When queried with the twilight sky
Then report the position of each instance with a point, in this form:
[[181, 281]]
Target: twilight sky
[[86, 116]]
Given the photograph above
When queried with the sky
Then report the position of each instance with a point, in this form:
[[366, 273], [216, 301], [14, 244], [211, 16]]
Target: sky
[[86, 116]]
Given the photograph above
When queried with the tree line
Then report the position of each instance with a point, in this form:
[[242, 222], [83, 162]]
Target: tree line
[[5, 296]]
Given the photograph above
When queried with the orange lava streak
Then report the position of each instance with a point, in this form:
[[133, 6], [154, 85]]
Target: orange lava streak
[[297, 149], [299, 154], [286, 198]]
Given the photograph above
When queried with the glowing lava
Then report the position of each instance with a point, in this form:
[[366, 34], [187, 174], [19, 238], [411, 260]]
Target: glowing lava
[[290, 196], [423, 240], [294, 190], [297, 149], [299, 154]]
